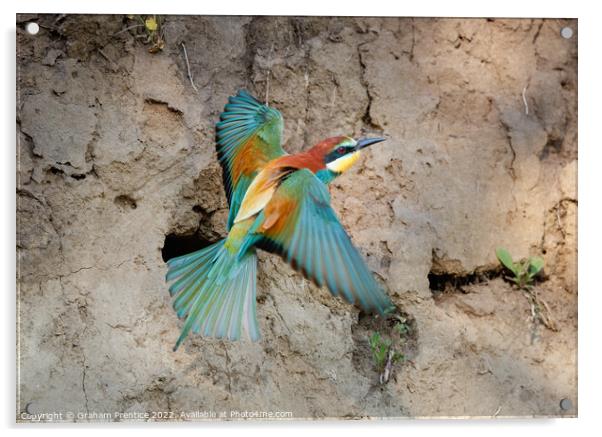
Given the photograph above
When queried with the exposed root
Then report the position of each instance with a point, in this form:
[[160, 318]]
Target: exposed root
[[384, 377], [540, 313]]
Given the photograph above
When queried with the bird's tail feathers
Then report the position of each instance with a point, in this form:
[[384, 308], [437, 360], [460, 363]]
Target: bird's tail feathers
[[215, 291]]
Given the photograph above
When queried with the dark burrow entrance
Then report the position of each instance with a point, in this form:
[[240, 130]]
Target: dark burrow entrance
[[440, 282], [176, 245]]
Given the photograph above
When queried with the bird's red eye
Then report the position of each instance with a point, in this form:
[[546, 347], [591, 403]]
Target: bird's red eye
[[341, 150]]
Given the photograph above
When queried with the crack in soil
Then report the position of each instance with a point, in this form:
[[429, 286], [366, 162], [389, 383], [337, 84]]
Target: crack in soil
[[366, 117], [512, 151]]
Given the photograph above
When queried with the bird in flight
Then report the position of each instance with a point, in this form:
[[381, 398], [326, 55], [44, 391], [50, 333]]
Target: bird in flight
[[278, 203]]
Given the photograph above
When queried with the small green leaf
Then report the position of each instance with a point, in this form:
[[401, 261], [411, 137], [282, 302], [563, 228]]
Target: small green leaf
[[380, 350], [374, 341], [506, 259], [535, 265]]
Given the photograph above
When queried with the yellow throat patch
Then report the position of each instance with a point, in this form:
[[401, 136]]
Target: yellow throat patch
[[342, 164]]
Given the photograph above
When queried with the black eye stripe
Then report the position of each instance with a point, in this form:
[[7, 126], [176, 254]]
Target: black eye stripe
[[338, 152]]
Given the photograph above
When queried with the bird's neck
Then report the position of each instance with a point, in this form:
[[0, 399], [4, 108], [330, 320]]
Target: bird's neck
[[326, 175]]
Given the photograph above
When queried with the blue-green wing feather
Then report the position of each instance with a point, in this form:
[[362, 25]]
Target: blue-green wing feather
[[248, 135], [314, 242], [215, 291]]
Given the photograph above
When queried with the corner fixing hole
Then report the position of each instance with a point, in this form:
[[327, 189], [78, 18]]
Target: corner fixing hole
[[32, 28]]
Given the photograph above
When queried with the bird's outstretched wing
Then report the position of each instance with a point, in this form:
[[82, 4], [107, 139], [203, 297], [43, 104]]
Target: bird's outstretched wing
[[249, 135], [300, 225]]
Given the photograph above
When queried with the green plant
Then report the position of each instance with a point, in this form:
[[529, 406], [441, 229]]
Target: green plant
[[386, 351], [380, 350], [524, 274], [524, 271], [401, 327]]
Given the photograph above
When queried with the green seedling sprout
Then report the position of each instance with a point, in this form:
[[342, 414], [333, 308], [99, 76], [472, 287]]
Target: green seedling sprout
[[524, 272]]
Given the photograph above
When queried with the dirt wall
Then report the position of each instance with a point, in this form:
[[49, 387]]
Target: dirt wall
[[117, 171]]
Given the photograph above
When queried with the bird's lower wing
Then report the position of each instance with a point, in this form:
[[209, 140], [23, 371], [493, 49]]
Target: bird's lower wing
[[299, 224]]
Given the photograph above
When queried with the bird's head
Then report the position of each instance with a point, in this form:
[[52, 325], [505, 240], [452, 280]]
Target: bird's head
[[338, 154]]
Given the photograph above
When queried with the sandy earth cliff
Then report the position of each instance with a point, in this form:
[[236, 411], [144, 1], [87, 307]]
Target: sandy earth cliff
[[117, 171]]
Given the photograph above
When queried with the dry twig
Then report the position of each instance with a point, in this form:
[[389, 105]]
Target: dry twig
[[525, 100], [188, 68], [113, 63], [559, 222], [497, 411], [128, 28], [384, 377]]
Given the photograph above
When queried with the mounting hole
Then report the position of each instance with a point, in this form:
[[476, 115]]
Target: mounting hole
[[566, 32], [32, 28], [566, 404]]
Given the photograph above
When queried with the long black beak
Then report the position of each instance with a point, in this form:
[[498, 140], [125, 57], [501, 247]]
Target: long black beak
[[365, 142]]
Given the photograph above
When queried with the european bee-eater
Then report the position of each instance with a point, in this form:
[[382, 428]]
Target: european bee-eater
[[278, 203]]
